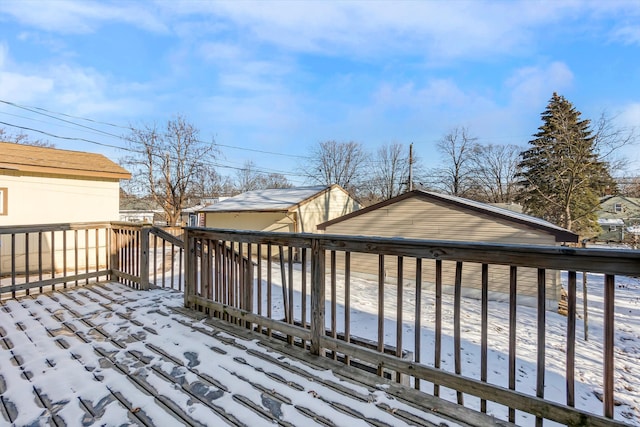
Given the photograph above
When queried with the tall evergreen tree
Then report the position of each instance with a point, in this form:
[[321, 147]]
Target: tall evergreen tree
[[561, 175]]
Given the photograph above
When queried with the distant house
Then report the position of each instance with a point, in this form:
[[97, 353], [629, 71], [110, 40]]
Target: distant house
[[424, 215], [619, 218], [47, 185], [298, 209]]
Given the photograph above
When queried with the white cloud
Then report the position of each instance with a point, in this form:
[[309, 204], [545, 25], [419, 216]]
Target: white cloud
[[630, 116], [533, 86], [77, 17], [628, 34], [436, 31], [23, 88]]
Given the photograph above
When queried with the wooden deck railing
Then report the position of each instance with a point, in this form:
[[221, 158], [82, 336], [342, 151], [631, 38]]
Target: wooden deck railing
[[302, 292], [39, 258], [303, 288]]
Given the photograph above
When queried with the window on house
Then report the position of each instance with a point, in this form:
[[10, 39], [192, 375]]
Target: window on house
[[617, 207], [3, 201]]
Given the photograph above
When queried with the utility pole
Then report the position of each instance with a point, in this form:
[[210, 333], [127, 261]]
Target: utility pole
[[411, 167]]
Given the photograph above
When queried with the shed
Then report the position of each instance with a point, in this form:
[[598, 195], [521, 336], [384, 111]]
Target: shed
[[298, 209], [425, 215]]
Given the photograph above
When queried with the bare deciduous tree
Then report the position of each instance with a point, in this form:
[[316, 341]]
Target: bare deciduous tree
[[389, 176], [609, 139], [333, 162], [165, 164], [494, 171], [24, 139], [249, 178], [456, 148]]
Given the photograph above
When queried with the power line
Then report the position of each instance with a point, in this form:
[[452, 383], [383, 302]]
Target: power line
[[49, 113], [69, 138]]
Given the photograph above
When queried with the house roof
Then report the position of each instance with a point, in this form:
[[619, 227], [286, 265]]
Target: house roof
[[561, 234], [630, 207], [270, 200], [27, 158]]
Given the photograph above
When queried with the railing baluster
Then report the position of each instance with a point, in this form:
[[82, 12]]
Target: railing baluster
[[86, 254], [53, 257], [380, 308], [64, 256], [259, 282], [333, 299], [75, 253], [418, 322], [269, 284], [513, 281], [542, 313], [609, 333], [40, 258], [155, 260], [173, 264], [571, 338], [399, 310], [485, 330], [437, 351], [13, 265], [97, 267], [457, 308], [26, 259], [347, 301], [290, 289], [303, 290]]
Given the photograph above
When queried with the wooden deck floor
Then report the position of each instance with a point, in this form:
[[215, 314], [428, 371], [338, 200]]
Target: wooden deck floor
[[110, 355]]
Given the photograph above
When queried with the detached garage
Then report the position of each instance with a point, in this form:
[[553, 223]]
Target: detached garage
[[297, 210], [425, 215]]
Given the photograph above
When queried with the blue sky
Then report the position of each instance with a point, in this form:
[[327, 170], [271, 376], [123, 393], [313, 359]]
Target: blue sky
[[281, 76]]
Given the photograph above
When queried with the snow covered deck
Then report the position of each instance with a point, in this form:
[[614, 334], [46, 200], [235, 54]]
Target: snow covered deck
[[107, 354]]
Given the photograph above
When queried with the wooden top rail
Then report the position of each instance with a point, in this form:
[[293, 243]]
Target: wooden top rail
[[167, 236], [17, 229], [605, 261]]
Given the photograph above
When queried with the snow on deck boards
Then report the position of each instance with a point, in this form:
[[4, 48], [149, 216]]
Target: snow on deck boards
[[110, 355]]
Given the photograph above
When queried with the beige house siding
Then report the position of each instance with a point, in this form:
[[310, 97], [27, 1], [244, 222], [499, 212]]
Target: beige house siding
[[435, 220], [327, 206], [37, 198], [260, 221]]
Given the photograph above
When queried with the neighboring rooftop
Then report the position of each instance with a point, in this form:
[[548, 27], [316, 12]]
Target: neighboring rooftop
[[273, 199], [27, 158]]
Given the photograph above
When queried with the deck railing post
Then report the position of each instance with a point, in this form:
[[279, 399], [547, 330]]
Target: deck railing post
[[317, 296], [113, 254], [144, 258], [190, 257]]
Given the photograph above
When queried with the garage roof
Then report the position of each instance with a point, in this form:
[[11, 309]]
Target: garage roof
[[270, 200]]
